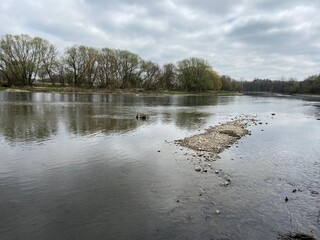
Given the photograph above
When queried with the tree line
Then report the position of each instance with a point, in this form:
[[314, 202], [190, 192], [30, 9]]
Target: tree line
[[311, 85], [25, 59]]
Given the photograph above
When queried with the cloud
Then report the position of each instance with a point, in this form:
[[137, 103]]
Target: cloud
[[244, 39]]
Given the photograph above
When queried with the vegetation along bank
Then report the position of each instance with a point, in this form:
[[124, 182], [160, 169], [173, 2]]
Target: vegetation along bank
[[26, 60]]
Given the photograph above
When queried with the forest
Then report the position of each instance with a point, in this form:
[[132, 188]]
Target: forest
[[310, 85], [26, 60]]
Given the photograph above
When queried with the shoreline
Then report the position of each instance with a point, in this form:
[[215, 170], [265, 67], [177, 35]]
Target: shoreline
[[95, 90]]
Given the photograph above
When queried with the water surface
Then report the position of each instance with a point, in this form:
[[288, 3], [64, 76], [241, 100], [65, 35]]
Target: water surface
[[82, 167]]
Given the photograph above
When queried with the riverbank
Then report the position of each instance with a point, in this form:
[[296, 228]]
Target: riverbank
[[96, 90]]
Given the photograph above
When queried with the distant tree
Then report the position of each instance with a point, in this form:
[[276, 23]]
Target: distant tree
[[91, 66], [149, 75], [51, 64], [168, 79], [212, 80], [127, 67], [226, 83], [193, 75], [311, 85], [107, 68], [291, 87], [75, 62], [22, 57]]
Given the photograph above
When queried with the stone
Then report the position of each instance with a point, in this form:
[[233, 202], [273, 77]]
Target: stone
[[198, 169], [218, 211]]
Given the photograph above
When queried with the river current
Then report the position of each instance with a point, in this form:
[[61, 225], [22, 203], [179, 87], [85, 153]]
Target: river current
[[83, 167]]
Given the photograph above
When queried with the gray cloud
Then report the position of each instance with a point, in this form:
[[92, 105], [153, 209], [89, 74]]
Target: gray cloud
[[244, 39]]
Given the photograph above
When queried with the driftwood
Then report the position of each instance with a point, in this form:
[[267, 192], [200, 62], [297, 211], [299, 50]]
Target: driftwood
[[142, 116]]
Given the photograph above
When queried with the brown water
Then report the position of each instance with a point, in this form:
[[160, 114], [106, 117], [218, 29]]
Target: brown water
[[82, 167]]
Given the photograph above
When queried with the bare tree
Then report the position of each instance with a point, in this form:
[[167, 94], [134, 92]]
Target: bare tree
[[127, 65], [149, 75], [75, 62], [22, 57], [107, 70], [51, 64], [91, 66], [168, 79]]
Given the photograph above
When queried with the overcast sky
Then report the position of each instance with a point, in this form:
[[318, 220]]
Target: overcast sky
[[244, 39]]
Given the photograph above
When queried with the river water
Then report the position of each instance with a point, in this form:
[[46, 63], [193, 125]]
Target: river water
[[82, 167]]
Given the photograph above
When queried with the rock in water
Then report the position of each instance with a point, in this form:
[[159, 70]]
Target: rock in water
[[198, 169], [142, 116]]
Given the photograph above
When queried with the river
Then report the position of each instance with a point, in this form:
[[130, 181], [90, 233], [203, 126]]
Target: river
[[83, 167]]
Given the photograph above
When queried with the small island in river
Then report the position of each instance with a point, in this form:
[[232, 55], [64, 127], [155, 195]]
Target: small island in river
[[216, 139]]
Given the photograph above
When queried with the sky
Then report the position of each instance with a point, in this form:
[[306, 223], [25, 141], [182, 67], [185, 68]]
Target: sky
[[245, 39]]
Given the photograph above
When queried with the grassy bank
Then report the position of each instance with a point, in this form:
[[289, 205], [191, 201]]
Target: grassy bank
[[96, 90]]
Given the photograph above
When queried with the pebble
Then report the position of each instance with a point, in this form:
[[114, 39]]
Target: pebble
[[218, 211], [286, 199], [216, 171], [228, 179], [198, 169]]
